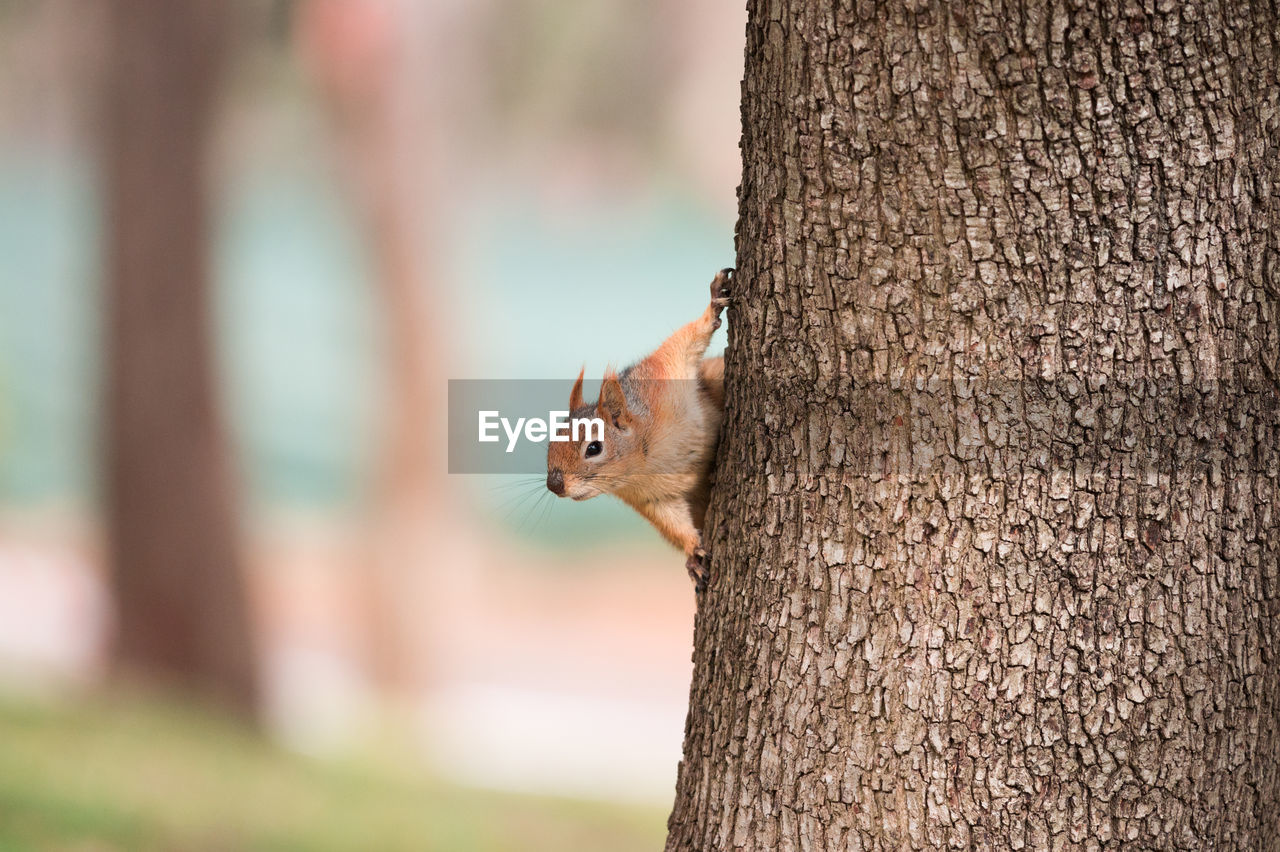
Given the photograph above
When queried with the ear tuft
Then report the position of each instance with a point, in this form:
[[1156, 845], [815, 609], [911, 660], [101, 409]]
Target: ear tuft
[[613, 402], [575, 396]]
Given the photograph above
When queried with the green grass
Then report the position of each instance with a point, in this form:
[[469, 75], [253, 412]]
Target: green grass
[[148, 775]]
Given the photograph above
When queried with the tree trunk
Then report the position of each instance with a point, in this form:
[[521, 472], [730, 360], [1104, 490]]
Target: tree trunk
[[381, 84], [994, 548], [179, 588]]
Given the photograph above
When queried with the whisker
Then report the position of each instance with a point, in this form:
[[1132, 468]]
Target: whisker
[[517, 482], [517, 502], [529, 513], [549, 506], [520, 495]]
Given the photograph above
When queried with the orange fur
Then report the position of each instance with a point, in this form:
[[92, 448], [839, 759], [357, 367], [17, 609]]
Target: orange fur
[[662, 421]]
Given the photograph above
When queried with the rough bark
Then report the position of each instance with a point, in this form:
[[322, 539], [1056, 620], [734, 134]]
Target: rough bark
[[994, 547], [179, 589]]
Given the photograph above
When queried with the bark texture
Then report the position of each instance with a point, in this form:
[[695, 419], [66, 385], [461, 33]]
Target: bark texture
[[994, 550], [180, 593]]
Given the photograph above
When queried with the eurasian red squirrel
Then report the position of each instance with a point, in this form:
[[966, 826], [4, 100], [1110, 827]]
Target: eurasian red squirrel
[[661, 425]]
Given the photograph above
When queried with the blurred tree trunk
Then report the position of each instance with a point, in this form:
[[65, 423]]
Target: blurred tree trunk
[[179, 587], [382, 88], [995, 560]]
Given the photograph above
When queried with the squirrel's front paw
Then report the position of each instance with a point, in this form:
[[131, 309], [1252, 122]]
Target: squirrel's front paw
[[721, 289], [698, 569]]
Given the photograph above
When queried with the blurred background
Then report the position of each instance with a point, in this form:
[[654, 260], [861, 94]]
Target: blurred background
[[243, 247]]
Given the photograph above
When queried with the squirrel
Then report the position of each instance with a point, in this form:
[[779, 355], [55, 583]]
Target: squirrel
[[661, 426]]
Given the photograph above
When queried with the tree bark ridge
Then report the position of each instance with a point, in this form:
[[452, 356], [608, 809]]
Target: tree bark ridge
[[994, 547]]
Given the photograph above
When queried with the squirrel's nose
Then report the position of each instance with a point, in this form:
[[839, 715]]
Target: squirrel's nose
[[555, 483]]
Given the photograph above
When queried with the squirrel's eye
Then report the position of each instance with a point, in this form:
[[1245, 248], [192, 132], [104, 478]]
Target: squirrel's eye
[[594, 449]]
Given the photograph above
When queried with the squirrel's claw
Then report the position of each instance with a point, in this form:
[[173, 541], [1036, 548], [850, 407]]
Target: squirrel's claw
[[721, 290], [722, 287], [698, 570]]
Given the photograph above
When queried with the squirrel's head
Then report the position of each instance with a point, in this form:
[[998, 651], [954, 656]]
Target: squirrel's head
[[602, 445]]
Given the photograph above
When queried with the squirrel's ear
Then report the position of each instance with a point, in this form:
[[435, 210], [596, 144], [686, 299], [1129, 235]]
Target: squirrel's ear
[[575, 396], [613, 402]]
